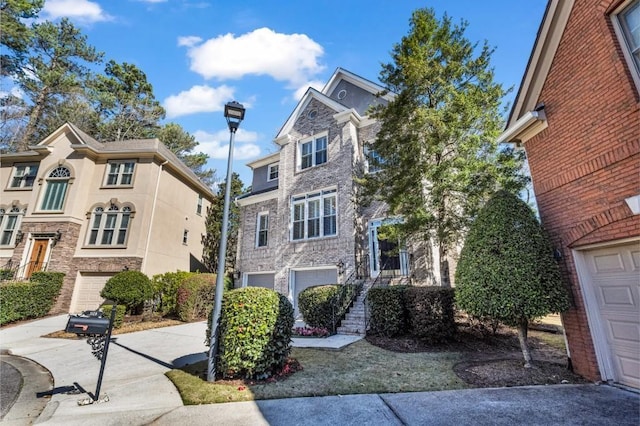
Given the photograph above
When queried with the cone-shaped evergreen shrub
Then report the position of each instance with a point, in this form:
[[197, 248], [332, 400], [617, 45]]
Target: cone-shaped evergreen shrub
[[506, 270]]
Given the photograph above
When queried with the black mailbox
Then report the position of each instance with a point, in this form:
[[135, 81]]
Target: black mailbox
[[87, 325]]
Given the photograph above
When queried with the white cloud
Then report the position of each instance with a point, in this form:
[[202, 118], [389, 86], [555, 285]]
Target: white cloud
[[189, 41], [216, 145], [198, 99], [292, 58], [84, 11], [316, 84]]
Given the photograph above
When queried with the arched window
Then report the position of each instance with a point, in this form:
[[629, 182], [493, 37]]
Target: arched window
[[56, 189], [109, 227]]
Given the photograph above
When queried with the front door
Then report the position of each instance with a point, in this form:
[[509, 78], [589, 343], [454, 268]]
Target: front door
[[36, 260], [386, 255]]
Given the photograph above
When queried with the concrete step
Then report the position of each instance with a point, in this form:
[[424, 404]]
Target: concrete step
[[354, 317], [350, 331]]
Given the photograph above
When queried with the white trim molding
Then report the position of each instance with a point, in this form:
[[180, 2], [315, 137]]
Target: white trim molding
[[529, 125]]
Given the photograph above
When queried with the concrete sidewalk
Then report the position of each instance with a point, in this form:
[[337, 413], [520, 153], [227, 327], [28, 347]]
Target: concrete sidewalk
[[140, 394]]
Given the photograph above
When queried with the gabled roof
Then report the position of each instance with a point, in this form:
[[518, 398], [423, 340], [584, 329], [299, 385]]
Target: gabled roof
[[368, 85], [340, 74], [88, 146], [544, 50]]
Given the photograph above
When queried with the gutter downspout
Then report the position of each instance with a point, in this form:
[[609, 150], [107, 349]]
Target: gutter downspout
[[153, 213]]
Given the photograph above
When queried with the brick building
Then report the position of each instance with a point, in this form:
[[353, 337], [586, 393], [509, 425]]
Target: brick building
[[577, 115], [301, 224], [72, 204]]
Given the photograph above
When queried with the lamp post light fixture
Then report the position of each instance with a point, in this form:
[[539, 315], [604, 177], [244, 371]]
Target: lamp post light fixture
[[234, 113]]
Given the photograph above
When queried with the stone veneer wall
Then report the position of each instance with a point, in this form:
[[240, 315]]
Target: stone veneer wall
[[62, 258]]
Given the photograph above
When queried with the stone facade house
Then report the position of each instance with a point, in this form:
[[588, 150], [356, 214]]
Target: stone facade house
[[302, 223], [577, 115], [89, 209]]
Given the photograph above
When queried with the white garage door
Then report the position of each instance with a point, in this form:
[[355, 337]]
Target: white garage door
[[614, 282], [86, 294], [260, 280], [310, 278]]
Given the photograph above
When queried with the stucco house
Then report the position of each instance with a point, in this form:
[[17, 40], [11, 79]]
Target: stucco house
[[302, 223], [577, 115], [89, 209]]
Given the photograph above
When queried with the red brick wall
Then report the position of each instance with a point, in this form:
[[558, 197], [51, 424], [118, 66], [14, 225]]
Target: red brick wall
[[588, 160]]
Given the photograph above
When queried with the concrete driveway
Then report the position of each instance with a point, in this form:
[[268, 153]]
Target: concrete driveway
[[140, 394]]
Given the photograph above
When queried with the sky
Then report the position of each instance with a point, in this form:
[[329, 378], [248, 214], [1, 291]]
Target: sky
[[201, 54]]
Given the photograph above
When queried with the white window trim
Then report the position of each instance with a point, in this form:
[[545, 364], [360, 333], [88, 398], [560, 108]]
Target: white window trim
[[367, 150], [29, 167], [312, 139], [260, 216], [624, 43], [200, 205], [45, 188], [120, 173], [120, 213], [269, 168], [11, 211], [322, 195]]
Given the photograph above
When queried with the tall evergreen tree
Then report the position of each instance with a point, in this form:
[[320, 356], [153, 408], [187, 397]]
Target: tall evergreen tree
[[436, 146], [182, 143], [211, 240], [126, 104], [56, 65], [15, 37]]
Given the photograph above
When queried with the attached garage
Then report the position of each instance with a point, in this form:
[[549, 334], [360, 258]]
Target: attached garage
[[86, 294], [308, 278], [265, 280], [610, 280]]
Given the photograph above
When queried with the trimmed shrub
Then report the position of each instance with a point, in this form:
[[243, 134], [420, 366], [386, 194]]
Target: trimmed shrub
[[323, 306], [315, 305], [255, 333], [506, 270], [165, 290], [130, 288], [34, 299], [195, 296], [387, 311], [120, 311], [430, 312]]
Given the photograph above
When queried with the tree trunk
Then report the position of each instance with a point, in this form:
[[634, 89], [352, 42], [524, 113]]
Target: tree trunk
[[445, 279], [522, 337]]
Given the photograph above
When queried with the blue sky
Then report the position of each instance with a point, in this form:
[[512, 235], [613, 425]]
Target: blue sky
[[200, 54]]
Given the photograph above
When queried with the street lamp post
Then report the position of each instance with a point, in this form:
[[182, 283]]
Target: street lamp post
[[234, 113]]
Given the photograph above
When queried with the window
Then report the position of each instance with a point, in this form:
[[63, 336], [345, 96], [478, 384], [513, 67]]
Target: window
[[373, 159], [312, 152], [120, 173], [627, 27], [199, 206], [185, 236], [272, 172], [9, 224], [314, 215], [56, 189], [262, 230], [24, 175], [110, 227]]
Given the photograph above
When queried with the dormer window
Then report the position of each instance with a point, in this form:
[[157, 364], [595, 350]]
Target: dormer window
[[312, 151], [272, 172], [23, 176]]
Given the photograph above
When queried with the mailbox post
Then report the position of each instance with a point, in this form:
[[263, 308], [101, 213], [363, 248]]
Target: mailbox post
[[98, 331]]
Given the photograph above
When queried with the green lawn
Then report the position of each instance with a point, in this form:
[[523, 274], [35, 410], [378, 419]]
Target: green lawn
[[358, 368]]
